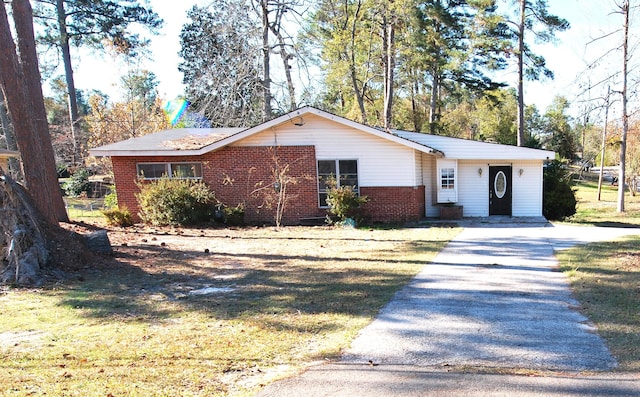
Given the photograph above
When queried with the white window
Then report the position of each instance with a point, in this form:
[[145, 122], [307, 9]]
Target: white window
[[151, 171], [447, 178], [447, 181], [344, 172]]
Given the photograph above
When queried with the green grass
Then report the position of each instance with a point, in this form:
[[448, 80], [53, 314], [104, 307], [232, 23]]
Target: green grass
[[604, 212], [605, 277], [131, 327], [84, 209]]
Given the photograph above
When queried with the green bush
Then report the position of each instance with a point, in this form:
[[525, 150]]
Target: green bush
[[77, 183], [176, 202], [62, 170], [118, 217], [111, 198], [344, 203], [559, 200], [234, 216]]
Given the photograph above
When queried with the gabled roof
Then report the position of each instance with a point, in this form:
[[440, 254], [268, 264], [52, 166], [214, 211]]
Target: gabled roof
[[198, 141], [297, 116], [167, 142]]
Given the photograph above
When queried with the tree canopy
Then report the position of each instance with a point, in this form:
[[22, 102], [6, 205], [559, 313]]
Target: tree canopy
[[220, 64], [96, 23], [532, 17]]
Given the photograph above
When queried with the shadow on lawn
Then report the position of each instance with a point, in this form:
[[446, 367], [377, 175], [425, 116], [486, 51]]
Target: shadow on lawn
[[149, 283]]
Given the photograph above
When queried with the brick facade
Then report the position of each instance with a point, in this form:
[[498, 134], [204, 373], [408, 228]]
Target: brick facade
[[394, 204], [245, 175]]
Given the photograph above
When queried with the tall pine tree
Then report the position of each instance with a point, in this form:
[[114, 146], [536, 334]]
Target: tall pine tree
[[20, 81]]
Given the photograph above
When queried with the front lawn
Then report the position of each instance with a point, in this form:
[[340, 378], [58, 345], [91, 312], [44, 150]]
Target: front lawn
[[209, 312], [592, 211], [605, 276]]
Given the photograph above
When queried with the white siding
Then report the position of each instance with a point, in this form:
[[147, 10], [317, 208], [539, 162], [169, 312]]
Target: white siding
[[418, 165], [380, 162], [526, 191], [473, 188], [429, 180]]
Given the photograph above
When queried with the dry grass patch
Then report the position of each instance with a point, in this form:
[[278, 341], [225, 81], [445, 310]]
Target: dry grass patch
[[204, 312]]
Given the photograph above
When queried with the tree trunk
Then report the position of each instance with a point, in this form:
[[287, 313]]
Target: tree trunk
[[20, 79], [415, 107], [352, 67], [10, 138], [359, 95], [433, 102], [625, 116], [521, 26], [604, 145], [266, 55], [22, 240], [390, 64], [74, 115], [286, 57]]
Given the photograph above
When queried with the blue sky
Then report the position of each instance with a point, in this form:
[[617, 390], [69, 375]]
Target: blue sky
[[568, 58], [577, 48]]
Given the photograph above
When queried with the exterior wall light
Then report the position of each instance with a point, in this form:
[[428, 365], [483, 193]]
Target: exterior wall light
[[480, 171], [521, 172]]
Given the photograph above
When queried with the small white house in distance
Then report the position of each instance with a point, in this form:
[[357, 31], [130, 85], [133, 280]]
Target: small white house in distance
[[406, 176]]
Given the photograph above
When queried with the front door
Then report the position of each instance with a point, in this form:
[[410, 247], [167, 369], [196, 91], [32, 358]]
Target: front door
[[500, 190]]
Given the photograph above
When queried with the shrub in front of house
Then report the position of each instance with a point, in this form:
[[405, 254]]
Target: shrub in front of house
[[344, 203], [118, 217], [176, 202], [234, 216], [559, 200], [111, 198]]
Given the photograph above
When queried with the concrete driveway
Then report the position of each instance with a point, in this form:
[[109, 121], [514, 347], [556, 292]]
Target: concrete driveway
[[492, 298], [495, 298]]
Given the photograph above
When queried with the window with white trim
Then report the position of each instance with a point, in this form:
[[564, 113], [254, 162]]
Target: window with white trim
[[447, 181], [344, 172], [447, 178], [151, 171]]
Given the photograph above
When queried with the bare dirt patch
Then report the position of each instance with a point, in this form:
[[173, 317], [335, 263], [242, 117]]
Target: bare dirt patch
[[21, 340]]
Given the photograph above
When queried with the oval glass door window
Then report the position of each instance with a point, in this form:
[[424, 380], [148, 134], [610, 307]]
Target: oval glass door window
[[500, 184]]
